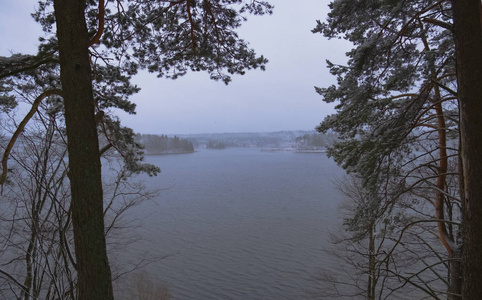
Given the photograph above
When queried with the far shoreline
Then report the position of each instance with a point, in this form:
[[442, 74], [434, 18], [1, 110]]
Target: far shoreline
[[168, 153]]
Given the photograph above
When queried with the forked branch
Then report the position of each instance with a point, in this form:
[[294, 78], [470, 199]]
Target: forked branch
[[21, 127]]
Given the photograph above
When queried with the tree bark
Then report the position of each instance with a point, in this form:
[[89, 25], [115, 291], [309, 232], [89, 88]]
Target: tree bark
[[468, 42], [94, 276], [455, 277]]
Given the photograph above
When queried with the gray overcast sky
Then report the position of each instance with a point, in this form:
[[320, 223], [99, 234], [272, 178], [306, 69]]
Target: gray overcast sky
[[280, 98]]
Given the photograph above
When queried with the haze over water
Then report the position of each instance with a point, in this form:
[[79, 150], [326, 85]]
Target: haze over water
[[239, 223]]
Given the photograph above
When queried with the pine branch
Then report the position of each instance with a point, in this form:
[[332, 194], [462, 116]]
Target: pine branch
[[5, 73]]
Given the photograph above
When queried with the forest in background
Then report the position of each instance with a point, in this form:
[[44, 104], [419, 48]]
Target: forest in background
[[282, 140], [298, 140]]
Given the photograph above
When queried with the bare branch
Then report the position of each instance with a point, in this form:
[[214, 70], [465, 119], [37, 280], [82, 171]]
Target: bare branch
[[445, 25], [21, 127]]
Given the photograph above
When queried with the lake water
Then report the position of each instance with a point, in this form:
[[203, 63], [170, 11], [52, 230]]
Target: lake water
[[239, 223]]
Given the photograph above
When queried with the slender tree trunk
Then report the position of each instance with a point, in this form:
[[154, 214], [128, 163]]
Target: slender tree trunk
[[372, 281], [455, 271], [468, 41], [94, 277]]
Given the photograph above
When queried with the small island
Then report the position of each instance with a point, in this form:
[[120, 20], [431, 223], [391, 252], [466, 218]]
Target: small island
[[215, 145], [162, 144]]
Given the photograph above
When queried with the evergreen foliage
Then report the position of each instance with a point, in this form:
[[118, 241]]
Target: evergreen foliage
[[314, 141], [386, 91]]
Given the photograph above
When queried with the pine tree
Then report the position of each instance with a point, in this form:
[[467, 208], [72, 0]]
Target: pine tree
[[98, 45], [397, 113]]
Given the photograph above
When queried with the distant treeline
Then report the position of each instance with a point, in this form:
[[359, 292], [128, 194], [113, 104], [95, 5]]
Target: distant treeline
[[295, 140], [299, 140], [162, 144]]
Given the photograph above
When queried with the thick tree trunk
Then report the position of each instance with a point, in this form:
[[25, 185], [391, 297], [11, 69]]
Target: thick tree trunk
[[455, 277], [468, 41], [94, 277]]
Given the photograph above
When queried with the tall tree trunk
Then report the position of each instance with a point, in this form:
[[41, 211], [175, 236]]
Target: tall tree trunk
[[94, 277], [455, 271], [468, 42]]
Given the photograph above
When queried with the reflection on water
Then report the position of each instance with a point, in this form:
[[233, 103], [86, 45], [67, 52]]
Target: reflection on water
[[239, 223]]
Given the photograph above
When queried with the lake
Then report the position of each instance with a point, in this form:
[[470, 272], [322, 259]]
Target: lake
[[238, 223]]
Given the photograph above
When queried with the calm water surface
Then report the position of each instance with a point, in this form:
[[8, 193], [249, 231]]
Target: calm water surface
[[239, 223]]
